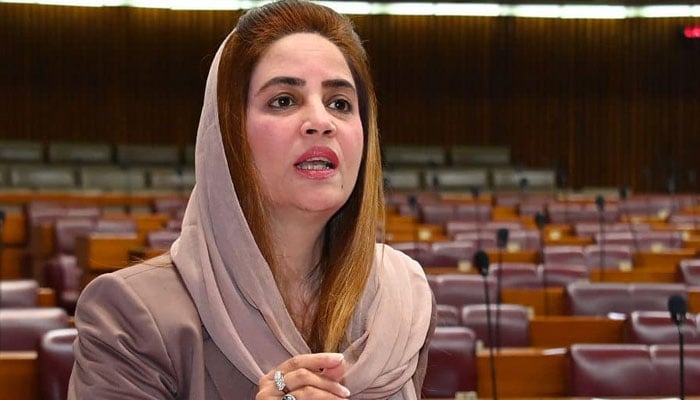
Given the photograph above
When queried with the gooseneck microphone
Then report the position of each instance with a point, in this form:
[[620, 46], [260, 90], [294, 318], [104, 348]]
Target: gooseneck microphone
[[600, 205], [481, 261], [501, 243], [678, 307]]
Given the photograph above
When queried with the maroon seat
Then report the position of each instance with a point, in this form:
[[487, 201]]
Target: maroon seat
[[473, 212], [55, 363], [654, 296], [568, 255], [593, 298], [451, 362], [21, 328], [511, 330], [460, 290], [480, 240], [415, 250], [656, 327], [613, 256], [665, 359], [447, 254], [437, 213], [18, 293], [690, 271], [115, 225], [609, 370], [447, 315], [556, 275], [517, 275]]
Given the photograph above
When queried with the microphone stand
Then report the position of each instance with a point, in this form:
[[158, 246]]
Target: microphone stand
[[540, 220], [678, 307], [477, 216], [600, 203], [481, 260], [672, 192], [502, 242], [623, 198]]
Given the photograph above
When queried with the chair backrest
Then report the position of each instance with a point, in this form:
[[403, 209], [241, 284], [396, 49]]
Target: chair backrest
[[654, 296], [437, 214], [690, 271], [656, 327], [612, 256], [665, 358], [608, 370], [55, 362], [21, 328], [562, 275], [568, 255], [447, 315], [18, 293], [510, 324], [461, 289], [593, 298], [448, 254], [517, 275], [451, 362], [67, 230]]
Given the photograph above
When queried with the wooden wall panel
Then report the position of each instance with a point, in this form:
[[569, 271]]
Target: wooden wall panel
[[610, 102]]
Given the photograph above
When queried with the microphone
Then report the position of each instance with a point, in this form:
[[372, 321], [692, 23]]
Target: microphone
[[600, 204], [481, 261], [541, 221], [501, 243], [678, 307]]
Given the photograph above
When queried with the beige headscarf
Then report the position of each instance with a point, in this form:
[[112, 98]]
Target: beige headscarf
[[242, 309]]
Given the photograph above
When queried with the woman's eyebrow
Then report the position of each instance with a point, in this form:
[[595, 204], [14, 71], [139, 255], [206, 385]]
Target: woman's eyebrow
[[338, 83], [283, 80]]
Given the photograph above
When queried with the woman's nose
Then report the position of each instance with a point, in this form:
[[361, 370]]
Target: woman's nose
[[318, 120]]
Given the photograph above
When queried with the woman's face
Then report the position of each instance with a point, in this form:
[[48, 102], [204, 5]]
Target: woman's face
[[303, 125]]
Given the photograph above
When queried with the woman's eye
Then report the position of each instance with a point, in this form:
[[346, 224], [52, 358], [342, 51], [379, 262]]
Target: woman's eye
[[281, 102], [341, 105]]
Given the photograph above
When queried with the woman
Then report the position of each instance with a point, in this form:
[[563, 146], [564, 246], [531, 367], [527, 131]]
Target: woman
[[275, 288]]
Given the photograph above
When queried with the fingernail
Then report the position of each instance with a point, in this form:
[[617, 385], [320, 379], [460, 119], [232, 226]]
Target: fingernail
[[346, 391], [337, 357]]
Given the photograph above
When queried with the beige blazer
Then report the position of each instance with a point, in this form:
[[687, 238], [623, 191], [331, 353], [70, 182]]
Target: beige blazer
[[140, 337]]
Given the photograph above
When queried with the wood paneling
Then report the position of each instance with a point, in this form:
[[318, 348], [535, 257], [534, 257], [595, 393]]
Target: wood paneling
[[610, 102]]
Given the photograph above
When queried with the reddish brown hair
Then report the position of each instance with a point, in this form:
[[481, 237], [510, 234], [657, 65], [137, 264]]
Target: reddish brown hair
[[350, 235]]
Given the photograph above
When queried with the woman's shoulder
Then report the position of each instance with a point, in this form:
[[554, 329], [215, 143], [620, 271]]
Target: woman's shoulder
[[154, 286]]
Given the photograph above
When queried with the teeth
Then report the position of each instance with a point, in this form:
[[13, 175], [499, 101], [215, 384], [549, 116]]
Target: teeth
[[315, 164]]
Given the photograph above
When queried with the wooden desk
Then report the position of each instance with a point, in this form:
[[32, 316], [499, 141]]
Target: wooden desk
[[18, 375], [667, 257], [563, 331], [524, 372], [98, 253], [14, 231], [663, 274], [549, 301]]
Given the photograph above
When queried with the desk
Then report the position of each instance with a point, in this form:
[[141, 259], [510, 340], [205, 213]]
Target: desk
[[18, 375], [563, 331], [658, 274], [526, 372], [667, 257], [98, 253], [549, 301]]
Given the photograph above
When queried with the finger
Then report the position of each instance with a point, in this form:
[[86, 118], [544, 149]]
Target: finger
[[304, 380], [316, 362]]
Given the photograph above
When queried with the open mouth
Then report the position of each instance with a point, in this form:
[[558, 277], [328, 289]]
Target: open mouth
[[316, 164]]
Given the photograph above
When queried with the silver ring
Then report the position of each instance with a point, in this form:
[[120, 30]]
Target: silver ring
[[279, 382], [289, 396]]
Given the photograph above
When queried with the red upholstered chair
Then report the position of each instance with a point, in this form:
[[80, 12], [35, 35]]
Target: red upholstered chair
[[55, 362], [556, 275], [659, 239], [459, 290], [473, 212], [21, 328], [516, 275], [480, 240], [447, 315], [437, 213], [654, 296], [526, 239], [690, 271], [415, 250], [513, 324], [115, 225], [613, 256], [447, 254], [656, 327], [451, 362], [568, 255], [610, 370], [18, 293], [665, 359], [593, 298]]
